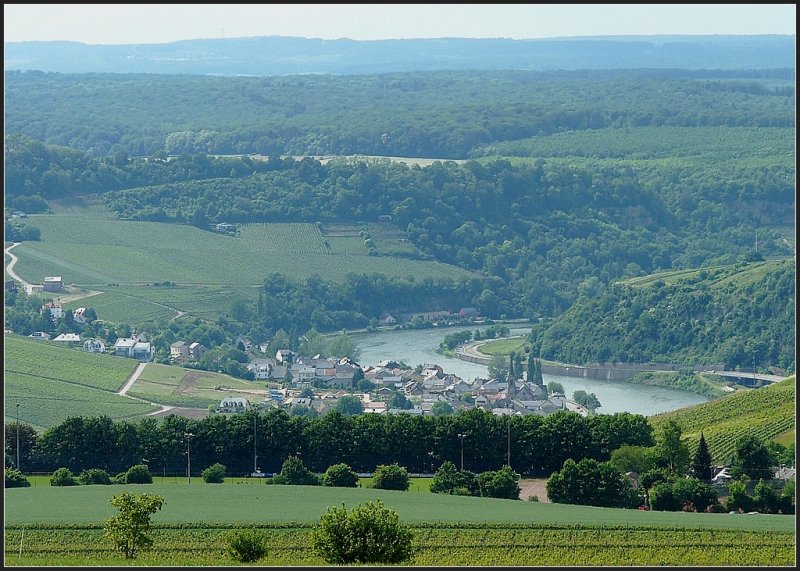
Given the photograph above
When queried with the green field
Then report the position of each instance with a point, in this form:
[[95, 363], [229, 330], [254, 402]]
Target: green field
[[768, 413], [448, 530], [124, 259], [502, 346], [176, 386], [52, 383]]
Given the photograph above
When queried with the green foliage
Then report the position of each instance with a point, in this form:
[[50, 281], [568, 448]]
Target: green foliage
[[502, 483], [673, 453], [592, 483], [128, 530], [765, 413], [441, 408], [138, 474], [450, 480], [555, 387], [214, 474], [639, 459], [694, 494], [390, 477], [751, 459], [63, 477], [738, 498], [340, 475], [399, 400], [294, 472], [246, 545], [16, 479], [766, 499], [369, 533], [701, 461], [94, 476], [349, 405]]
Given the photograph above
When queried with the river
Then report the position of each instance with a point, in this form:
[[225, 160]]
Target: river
[[418, 346]]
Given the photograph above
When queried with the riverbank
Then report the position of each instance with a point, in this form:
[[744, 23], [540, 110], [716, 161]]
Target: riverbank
[[653, 374]]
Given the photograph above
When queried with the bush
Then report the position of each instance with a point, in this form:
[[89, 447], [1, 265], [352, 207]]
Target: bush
[[119, 478], [448, 479], [16, 479], [246, 545], [391, 477], [501, 483], [293, 471], [63, 477], [94, 476], [370, 533], [138, 474], [214, 474], [340, 476], [738, 498]]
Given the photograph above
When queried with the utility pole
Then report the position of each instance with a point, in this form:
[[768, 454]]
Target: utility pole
[[18, 468], [508, 426], [189, 457], [461, 437], [255, 437]]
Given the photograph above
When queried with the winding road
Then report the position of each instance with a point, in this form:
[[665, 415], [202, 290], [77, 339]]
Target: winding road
[[129, 383], [10, 269]]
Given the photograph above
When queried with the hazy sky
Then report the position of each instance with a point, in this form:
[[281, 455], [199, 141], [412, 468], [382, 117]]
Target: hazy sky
[[158, 23]]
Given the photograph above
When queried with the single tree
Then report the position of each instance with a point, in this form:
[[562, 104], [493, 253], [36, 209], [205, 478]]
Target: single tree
[[129, 528], [349, 405], [751, 459], [701, 461], [672, 450]]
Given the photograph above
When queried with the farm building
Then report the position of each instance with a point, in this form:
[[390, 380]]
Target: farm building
[[52, 283]]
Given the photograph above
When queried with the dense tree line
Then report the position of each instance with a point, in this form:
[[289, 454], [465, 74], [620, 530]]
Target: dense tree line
[[701, 319], [539, 445], [443, 114]]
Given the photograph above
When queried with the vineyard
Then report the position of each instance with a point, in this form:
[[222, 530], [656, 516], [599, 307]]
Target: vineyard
[[766, 413], [434, 545]]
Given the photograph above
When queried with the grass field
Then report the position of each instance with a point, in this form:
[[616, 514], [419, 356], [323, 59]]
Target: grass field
[[63, 526], [123, 259], [502, 346], [52, 383], [176, 386], [717, 276]]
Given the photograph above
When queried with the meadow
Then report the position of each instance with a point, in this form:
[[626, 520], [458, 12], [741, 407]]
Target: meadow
[[129, 260], [449, 530]]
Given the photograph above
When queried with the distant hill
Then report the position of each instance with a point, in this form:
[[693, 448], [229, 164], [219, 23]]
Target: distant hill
[[278, 55], [768, 413]]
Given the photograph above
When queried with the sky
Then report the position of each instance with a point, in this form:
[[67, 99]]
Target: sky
[[161, 23]]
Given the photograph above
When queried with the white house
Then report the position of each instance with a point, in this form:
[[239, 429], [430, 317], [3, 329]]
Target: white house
[[54, 308], [130, 347], [234, 404], [68, 338], [94, 346]]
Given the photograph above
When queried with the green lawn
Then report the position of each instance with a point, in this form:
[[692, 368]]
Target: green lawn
[[502, 346], [214, 503]]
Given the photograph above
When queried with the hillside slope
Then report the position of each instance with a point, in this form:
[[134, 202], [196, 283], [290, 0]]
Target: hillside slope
[[768, 412]]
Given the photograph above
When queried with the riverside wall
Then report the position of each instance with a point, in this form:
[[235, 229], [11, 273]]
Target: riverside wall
[[607, 371]]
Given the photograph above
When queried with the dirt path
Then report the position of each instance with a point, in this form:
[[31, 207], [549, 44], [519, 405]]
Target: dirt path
[[10, 269], [536, 487], [129, 383]]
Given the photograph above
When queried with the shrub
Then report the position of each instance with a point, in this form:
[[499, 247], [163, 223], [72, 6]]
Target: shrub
[[63, 477], [533, 498], [16, 479], [293, 471], [128, 529], [246, 545], [370, 533], [138, 474], [119, 478], [340, 476], [501, 483], [738, 498], [448, 479], [94, 476], [662, 498], [391, 477], [214, 474]]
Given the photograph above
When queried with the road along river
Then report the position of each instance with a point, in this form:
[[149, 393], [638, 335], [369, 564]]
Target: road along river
[[418, 346]]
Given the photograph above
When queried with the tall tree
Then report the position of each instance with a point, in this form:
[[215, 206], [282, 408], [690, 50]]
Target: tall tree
[[701, 461], [673, 452]]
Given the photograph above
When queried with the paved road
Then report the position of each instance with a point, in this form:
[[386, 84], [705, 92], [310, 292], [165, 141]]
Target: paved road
[[132, 379]]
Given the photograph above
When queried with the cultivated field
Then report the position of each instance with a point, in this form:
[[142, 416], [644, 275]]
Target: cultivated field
[[124, 259], [53, 383], [176, 386], [767, 413], [449, 530]]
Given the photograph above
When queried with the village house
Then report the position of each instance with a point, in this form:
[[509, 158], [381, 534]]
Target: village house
[[196, 350], [261, 368], [234, 405], [179, 352], [56, 312], [468, 313], [40, 335], [133, 348], [94, 346], [387, 319], [68, 338], [78, 315]]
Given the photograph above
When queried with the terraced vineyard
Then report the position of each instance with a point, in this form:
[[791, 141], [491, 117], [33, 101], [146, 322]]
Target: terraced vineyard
[[53, 383], [767, 413]]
